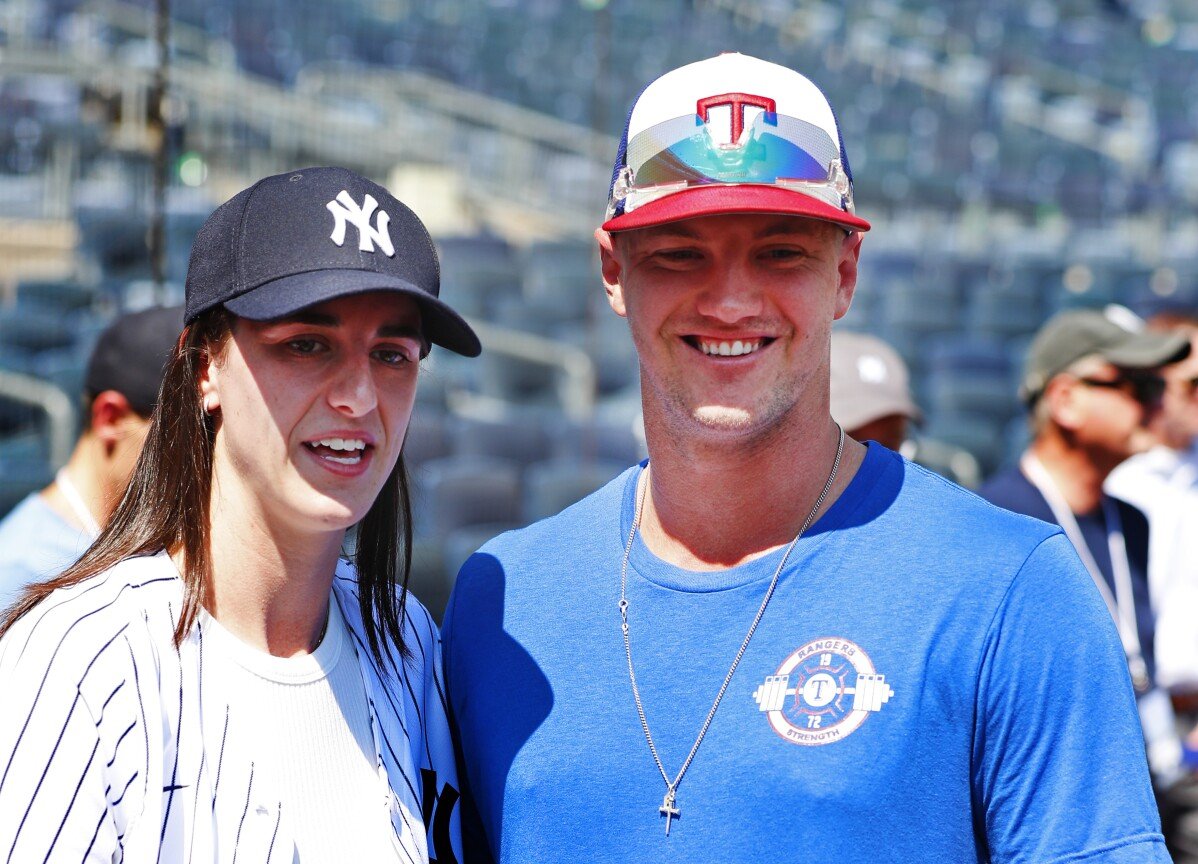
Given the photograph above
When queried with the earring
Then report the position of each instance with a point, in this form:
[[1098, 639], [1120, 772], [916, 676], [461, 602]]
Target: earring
[[209, 405]]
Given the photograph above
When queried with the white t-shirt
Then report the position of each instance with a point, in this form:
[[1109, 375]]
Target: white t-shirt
[[1164, 485], [308, 719]]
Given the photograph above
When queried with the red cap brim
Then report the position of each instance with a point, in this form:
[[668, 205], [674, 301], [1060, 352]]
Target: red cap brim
[[725, 199]]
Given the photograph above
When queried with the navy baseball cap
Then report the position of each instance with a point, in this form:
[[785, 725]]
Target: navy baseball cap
[[297, 239], [131, 354]]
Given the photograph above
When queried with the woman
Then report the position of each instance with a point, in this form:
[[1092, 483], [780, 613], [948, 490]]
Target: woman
[[210, 681]]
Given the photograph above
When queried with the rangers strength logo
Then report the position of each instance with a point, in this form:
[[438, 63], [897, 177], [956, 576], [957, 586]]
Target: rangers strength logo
[[822, 692]]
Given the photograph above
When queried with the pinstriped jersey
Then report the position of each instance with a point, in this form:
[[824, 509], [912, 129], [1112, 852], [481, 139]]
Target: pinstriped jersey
[[115, 746]]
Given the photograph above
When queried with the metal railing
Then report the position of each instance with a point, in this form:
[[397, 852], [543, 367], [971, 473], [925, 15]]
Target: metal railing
[[52, 401], [368, 118], [575, 382]]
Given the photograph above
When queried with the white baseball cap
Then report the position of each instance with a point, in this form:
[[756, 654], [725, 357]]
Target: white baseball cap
[[869, 381], [731, 134]]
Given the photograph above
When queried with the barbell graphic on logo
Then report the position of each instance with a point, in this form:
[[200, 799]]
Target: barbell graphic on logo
[[869, 693], [822, 692]]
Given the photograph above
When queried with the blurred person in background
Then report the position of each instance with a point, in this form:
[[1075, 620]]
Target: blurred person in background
[[770, 637], [1093, 387], [212, 680], [48, 530], [1163, 483], [870, 390], [871, 397]]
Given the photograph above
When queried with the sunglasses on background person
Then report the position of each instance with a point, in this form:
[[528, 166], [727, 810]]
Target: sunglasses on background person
[[1147, 389], [1190, 385]]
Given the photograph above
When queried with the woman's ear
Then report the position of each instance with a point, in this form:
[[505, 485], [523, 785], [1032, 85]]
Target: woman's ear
[[209, 375]]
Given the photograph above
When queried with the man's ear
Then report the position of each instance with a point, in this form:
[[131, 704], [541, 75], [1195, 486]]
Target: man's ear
[[850, 252], [1062, 395], [109, 411], [612, 272]]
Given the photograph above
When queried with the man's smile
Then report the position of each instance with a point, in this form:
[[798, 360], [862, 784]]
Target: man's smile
[[727, 347]]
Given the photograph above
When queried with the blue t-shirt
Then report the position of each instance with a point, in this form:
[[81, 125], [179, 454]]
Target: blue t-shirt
[[35, 543], [935, 679]]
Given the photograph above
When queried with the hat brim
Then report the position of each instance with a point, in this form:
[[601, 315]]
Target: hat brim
[[288, 295], [722, 199], [1148, 350], [874, 407]]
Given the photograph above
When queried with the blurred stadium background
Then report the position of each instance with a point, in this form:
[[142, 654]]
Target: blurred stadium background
[[1015, 156]]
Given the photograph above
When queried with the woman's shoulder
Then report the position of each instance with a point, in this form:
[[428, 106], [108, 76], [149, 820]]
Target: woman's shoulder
[[138, 594], [419, 629]]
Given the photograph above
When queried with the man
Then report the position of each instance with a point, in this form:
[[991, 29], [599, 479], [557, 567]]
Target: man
[[870, 394], [1163, 483], [51, 528], [1093, 387], [770, 641], [871, 398]]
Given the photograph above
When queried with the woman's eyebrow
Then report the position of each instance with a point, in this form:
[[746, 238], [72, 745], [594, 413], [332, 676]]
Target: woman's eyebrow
[[395, 329], [317, 319], [404, 330]]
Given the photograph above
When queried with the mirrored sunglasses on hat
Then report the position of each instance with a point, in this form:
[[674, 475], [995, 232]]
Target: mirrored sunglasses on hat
[[773, 150]]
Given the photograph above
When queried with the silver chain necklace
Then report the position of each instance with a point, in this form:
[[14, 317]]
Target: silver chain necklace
[[668, 807]]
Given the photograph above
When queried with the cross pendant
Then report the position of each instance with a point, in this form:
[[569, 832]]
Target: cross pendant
[[668, 809]]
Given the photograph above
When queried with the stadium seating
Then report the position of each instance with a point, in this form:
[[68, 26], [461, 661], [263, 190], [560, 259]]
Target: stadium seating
[[981, 135]]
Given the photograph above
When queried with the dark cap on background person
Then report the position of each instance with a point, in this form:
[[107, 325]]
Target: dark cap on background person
[[731, 134], [869, 381], [1115, 334], [130, 356], [297, 239]]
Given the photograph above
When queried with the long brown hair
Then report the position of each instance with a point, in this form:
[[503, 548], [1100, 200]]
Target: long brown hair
[[165, 506]]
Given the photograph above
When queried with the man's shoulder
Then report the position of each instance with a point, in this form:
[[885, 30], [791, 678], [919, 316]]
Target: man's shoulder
[[536, 557], [984, 513], [1007, 486], [1133, 516], [35, 543]]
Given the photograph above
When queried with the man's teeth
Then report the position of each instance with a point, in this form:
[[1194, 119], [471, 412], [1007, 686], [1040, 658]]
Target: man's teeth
[[730, 349]]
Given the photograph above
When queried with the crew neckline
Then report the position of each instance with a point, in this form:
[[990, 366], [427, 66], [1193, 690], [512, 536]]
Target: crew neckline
[[300, 669], [648, 566]]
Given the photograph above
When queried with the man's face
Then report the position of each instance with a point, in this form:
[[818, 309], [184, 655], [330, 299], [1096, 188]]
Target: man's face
[[1112, 409], [1178, 423], [731, 317]]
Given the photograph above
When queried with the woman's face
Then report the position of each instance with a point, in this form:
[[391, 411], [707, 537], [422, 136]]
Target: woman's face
[[312, 411]]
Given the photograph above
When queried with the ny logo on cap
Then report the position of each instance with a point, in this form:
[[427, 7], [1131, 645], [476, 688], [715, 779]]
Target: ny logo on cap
[[345, 209], [736, 103]]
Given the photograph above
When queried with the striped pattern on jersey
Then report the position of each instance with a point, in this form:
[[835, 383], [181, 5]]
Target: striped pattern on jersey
[[115, 747]]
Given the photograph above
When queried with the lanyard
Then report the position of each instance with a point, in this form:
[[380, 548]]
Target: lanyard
[[78, 507], [1122, 604]]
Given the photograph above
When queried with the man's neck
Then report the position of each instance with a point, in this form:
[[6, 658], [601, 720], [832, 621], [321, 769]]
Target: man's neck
[[713, 507], [84, 472], [1075, 473]]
